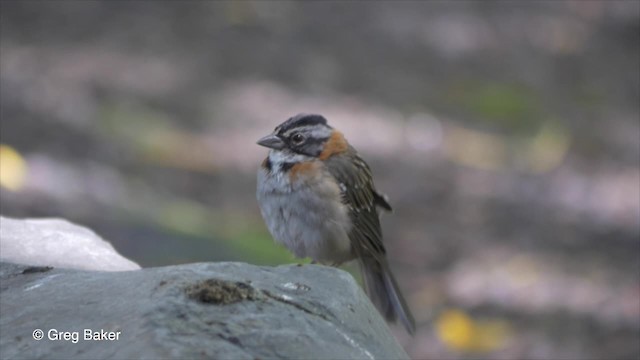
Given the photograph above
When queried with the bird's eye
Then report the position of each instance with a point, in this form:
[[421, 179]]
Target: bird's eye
[[297, 138]]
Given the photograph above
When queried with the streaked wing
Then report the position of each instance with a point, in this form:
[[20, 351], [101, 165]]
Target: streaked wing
[[358, 193]]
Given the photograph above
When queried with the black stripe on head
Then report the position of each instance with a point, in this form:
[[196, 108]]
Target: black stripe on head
[[302, 120]]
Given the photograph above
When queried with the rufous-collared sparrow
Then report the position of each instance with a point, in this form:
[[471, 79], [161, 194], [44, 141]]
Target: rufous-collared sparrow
[[318, 199]]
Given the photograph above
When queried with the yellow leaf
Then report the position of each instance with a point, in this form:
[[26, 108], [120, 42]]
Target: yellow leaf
[[460, 332], [13, 168]]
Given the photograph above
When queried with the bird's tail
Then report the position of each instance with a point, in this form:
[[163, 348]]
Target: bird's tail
[[384, 292]]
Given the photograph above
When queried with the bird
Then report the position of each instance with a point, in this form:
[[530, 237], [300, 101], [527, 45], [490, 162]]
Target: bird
[[317, 197]]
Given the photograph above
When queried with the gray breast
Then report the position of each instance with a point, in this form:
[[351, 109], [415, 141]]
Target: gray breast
[[306, 216]]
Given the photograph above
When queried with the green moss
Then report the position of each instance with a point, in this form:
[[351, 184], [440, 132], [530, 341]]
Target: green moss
[[260, 248], [507, 107]]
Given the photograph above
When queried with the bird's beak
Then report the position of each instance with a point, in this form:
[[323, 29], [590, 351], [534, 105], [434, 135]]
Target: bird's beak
[[271, 141]]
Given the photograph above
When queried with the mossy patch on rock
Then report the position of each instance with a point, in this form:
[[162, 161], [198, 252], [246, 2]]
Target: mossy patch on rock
[[221, 292]]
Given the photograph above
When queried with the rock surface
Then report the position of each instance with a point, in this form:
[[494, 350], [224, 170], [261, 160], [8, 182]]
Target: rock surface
[[58, 243], [206, 310]]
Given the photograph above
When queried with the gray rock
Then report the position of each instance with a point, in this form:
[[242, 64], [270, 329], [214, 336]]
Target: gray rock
[[58, 243], [207, 310]]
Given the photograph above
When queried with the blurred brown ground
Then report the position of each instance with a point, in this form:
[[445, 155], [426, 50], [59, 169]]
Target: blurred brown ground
[[506, 135]]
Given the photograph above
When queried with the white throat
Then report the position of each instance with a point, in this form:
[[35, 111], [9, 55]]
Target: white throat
[[279, 157]]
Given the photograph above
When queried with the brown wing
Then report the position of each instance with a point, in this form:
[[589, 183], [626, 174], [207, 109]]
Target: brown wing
[[358, 193]]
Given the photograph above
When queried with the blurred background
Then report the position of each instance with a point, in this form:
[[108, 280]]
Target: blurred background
[[506, 135]]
